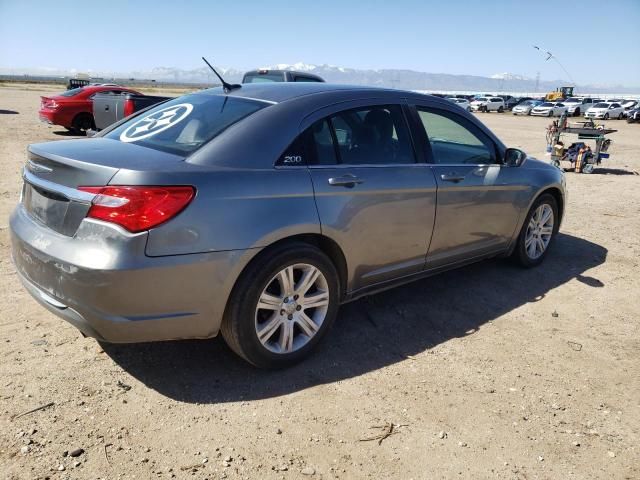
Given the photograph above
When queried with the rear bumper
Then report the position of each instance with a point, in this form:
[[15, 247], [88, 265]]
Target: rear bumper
[[101, 282], [53, 117]]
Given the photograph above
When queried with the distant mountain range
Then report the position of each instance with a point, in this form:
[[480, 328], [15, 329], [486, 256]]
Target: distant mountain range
[[395, 78]]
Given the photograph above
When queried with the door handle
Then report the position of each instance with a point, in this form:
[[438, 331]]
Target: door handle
[[106, 107], [345, 181], [452, 177]]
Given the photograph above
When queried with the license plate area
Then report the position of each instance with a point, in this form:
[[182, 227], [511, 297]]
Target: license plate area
[[47, 207]]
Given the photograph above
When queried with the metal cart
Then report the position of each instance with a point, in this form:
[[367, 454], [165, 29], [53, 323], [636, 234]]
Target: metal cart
[[578, 157]]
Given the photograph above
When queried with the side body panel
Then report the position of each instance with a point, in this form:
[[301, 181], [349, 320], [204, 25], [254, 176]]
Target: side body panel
[[232, 210], [477, 215], [382, 225]]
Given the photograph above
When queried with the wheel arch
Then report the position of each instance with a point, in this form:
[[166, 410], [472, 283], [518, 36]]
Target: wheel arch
[[325, 244], [80, 115], [552, 190], [557, 195]]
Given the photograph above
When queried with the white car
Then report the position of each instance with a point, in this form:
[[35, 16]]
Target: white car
[[629, 105], [549, 109], [524, 108], [578, 105], [488, 104], [461, 102], [605, 110]]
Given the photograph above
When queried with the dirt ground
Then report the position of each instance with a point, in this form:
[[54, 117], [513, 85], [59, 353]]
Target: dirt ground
[[490, 371]]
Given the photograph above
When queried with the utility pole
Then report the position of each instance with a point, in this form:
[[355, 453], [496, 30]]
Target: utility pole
[[537, 82]]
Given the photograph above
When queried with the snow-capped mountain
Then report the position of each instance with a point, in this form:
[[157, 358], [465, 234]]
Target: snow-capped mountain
[[394, 78], [509, 76]]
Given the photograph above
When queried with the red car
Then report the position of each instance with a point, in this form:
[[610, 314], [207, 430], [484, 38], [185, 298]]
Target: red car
[[73, 109]]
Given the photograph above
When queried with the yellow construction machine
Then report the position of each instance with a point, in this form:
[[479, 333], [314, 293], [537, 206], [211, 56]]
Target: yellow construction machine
[[561, 93]]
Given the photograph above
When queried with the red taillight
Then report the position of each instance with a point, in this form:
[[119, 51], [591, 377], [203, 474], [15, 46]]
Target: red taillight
[[138, 208], [129, 107], [48, 103]]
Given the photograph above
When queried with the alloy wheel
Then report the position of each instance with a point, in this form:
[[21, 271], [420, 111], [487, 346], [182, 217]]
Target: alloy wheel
[[292, 308], [539, 231]]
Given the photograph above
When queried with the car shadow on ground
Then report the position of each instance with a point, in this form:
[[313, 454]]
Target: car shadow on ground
[[68, 133], [369, 334], [9, 112], [613, 171]]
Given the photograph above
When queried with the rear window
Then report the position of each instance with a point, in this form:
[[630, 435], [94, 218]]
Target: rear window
[[263, 77], [184, 124], [72, 93]]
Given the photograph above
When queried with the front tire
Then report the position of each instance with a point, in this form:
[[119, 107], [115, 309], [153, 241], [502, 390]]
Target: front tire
[[282, 306], [538, 232], [606, 116]]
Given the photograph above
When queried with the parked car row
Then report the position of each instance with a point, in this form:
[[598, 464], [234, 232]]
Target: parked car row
[[576, 106]]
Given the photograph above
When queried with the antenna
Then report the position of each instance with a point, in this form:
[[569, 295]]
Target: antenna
[[227, 87]]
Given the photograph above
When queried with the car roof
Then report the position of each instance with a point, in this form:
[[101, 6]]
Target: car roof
[[277, 92]]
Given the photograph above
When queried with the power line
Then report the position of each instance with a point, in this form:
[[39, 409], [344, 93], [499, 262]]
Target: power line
[[552, 56]]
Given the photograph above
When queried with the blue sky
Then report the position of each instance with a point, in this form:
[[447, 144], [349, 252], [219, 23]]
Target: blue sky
[[459, 37]]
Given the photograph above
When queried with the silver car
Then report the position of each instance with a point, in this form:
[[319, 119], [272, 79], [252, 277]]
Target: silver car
[[256, 212]]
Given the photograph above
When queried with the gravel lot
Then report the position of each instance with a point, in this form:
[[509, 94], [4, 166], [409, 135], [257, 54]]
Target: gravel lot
[[490, 371]]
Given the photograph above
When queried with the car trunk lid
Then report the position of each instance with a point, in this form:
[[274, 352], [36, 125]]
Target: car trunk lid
[[55, 170]]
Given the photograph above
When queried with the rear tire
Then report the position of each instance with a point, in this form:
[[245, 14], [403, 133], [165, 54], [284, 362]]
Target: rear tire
[[531, 234], [246, 326], [83, 122], [500, 110]]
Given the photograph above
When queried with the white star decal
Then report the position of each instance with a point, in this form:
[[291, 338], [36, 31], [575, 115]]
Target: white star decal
[[156, 122]]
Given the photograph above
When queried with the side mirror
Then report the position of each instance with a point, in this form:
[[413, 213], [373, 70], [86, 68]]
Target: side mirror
[[514, 157]]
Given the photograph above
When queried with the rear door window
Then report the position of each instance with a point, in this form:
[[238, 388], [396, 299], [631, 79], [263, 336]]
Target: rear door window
[[184, 124], [376, 135]]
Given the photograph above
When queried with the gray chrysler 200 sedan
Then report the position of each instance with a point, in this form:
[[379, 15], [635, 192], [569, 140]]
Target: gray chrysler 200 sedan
[[258, 211]]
